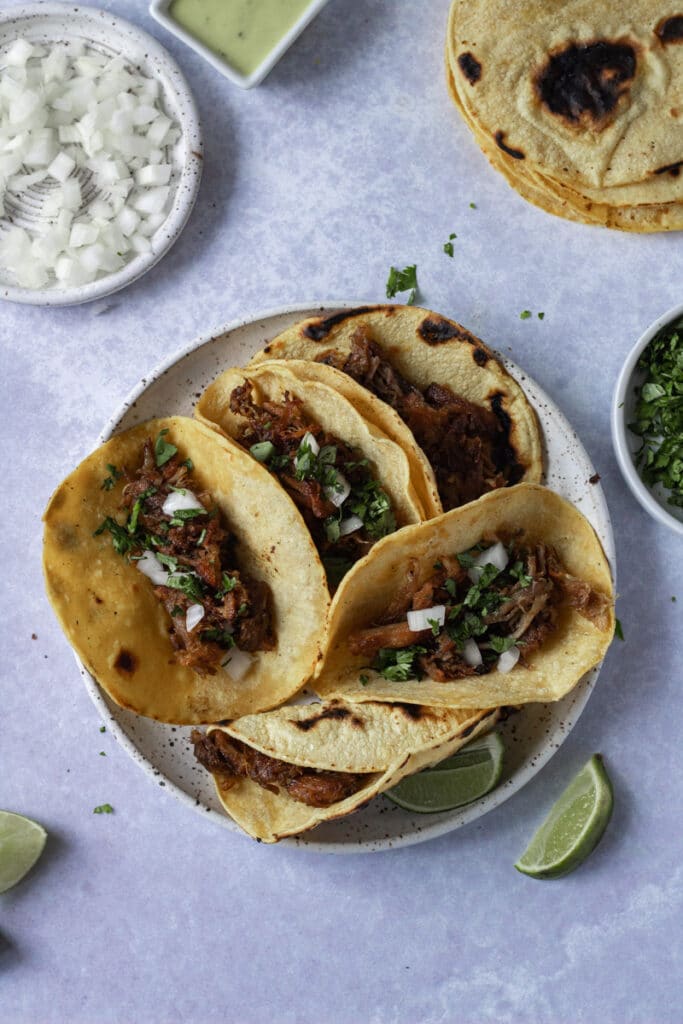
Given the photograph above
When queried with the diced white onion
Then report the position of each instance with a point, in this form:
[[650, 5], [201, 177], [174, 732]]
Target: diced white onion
[[85, 128], [419, 620], [194, 615], [339, 491], [508, 660], [350, 525], [309, 439], [150, 565], [495, 555], [471, 654], [237, 663], [180, 501]]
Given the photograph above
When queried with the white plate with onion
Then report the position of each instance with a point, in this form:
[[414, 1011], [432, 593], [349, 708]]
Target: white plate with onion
[[100, 153], [531, 736]]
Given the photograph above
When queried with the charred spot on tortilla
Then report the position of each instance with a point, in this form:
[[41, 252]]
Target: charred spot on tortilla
[[506, 454], [480, 357], [336, 713], [670, 30], [583, 83], [126, 662], [499, 139], [436, 331], [319, 330], [672, 169], [470, 67], [415, 712]]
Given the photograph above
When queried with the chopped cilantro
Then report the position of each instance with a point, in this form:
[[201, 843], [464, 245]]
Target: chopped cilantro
[[114, 475], [103, 809], [370, 503], [517, 573], [222, 637], [181, 515], [200, 538], [188, 583], [228, 583], [103, 728], [500, 644], [473, 206], [168, 561], [102, 753], [364, 680], [163, 451], [176, 610], [525, 314], [403, 281], [618, 630], [332, 529], [436, 626], [659, 412], [540, 316], [448, 246], [398, 665], [673, 599], [120, 537]]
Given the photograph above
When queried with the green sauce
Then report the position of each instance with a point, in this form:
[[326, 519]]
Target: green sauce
[[243, 32]]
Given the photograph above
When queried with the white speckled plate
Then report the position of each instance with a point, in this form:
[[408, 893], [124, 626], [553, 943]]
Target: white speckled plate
[[531, 737], [103, 32]]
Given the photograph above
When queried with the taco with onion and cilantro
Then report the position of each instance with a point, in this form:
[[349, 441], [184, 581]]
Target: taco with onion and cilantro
[[430, 385], [505, 601], [351, 483], [183, 576]]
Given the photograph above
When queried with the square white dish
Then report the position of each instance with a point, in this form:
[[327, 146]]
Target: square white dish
[[160, 11]]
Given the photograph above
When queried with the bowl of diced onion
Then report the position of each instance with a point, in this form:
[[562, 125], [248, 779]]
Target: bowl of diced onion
[[100, 153]]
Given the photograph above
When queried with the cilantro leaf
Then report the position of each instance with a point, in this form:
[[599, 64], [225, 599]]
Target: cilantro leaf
[[103, 809], [403, 281], [114, 475], [618, 630], [163, 451]]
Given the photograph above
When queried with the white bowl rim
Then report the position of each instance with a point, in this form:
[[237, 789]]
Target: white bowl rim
[[187, 187], [159, 11], [622, 449]]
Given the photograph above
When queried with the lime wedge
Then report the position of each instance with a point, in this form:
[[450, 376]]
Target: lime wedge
[[458, 780], [574, 826], [21, 844]]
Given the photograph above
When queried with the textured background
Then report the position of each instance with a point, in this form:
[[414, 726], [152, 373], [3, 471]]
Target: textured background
[[349, 158]]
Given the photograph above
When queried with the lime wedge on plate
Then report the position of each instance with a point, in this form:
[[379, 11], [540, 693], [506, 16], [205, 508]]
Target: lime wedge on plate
[[458, 780], [21, 844], [574, 826]]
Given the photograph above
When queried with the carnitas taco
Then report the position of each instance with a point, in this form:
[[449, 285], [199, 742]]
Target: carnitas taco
[[183, 577], [429, 383], [505, 601], [285, 771], [351, 483]]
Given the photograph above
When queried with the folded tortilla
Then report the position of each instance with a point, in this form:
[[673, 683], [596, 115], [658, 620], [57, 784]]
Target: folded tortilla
[[116, 625], [528, 512], [382, 741]]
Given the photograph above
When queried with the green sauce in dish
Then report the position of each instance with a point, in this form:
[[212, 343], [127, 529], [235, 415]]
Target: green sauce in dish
[[242, 32]]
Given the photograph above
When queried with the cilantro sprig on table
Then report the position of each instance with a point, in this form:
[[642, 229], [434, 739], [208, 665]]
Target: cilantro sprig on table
[[659, 412], [403, 281]]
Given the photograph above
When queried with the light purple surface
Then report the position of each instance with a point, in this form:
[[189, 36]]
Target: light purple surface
[[349, 158]]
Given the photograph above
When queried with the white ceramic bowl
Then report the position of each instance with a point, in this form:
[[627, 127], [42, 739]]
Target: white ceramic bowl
[[159, 9], [43, 23], [653, 499]]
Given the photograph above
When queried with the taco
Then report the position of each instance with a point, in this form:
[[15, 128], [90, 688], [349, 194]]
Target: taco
[[285, 771], [402, 366], [505, 601], [183, 577], [351, 483]]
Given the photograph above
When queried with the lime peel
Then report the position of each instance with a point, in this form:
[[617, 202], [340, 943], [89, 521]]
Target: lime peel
[[460, 779], [21, 844], [574, 827]]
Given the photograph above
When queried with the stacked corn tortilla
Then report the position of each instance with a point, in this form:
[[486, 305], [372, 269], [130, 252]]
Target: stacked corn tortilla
[[578, 104]]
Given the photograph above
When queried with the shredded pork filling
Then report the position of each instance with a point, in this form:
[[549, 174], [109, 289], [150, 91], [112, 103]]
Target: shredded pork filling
[[498, 610], [230, 760], [197, 549], [466, 444], [310, 478]]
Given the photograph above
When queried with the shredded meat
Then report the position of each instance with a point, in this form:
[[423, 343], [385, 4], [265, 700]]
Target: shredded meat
[[284, 424], [466, 444], [523, 608], [201, 545], [230, 760]]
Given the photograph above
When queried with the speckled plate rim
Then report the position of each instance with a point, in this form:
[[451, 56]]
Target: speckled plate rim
[[447, 821], [162, 66], [624, 442]]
